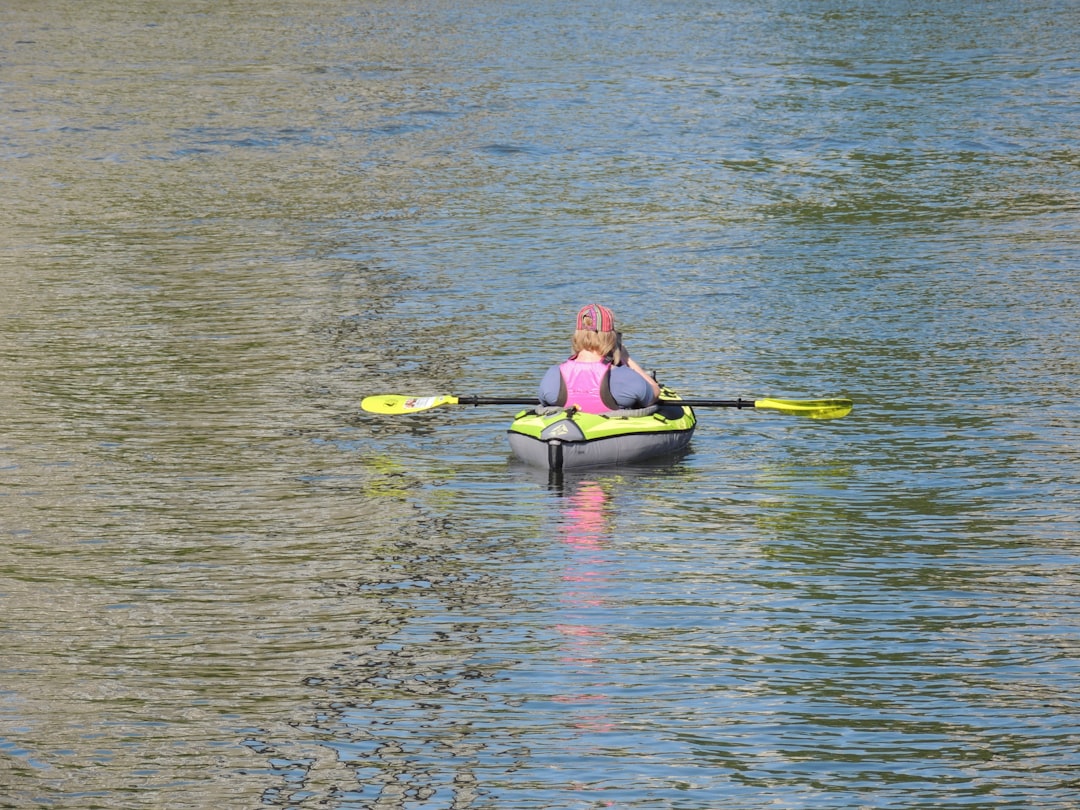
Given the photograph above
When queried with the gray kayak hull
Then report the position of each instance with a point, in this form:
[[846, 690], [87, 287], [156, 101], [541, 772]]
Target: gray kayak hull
[[574, 440]]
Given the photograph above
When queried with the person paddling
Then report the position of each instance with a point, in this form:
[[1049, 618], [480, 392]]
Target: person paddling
[[600, 376]]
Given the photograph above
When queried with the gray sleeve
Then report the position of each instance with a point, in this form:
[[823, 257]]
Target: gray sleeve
[[550, 386], [629, 388]]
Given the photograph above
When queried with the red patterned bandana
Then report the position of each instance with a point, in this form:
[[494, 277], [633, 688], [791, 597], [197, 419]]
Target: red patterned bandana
[[596, 318]]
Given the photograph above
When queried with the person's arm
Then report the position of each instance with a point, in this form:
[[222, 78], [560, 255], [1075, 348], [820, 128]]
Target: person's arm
[[623, 358], [550, 386], [654, 386], [631, 388]]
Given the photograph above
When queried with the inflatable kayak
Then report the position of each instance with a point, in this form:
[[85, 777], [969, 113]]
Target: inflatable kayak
[[561, 439]]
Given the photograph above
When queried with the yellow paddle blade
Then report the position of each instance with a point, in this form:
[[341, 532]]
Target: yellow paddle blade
[[395, 403], [814, 408]]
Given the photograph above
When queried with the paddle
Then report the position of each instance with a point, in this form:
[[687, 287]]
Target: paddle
[[814, 408]]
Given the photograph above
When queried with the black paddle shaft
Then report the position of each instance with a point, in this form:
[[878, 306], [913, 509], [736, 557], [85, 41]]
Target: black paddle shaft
[[693, 403]]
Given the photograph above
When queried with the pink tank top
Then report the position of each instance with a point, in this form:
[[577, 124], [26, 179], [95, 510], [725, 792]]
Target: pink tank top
[[583, 381]]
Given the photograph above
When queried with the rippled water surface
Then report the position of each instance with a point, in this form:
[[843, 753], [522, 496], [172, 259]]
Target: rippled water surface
[[224, 585]]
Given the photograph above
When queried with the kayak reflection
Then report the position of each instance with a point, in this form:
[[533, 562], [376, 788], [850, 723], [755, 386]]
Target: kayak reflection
[[586, 515], [586, 528]]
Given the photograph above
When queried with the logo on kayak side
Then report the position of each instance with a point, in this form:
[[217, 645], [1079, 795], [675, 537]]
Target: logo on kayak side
[[564, 429]]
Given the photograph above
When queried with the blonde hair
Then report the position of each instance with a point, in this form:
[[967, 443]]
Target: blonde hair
[[586, 340]]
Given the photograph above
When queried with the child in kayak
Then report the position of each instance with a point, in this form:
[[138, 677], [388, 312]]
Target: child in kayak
[[600, 376]]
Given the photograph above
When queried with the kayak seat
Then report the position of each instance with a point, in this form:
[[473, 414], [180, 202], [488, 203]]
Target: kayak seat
[[630, 413], [549, 410], [621, 413]]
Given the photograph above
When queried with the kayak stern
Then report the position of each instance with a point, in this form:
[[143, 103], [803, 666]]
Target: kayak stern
[[569, 439]]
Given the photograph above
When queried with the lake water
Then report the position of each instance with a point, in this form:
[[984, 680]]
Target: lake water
[[224, 585]]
